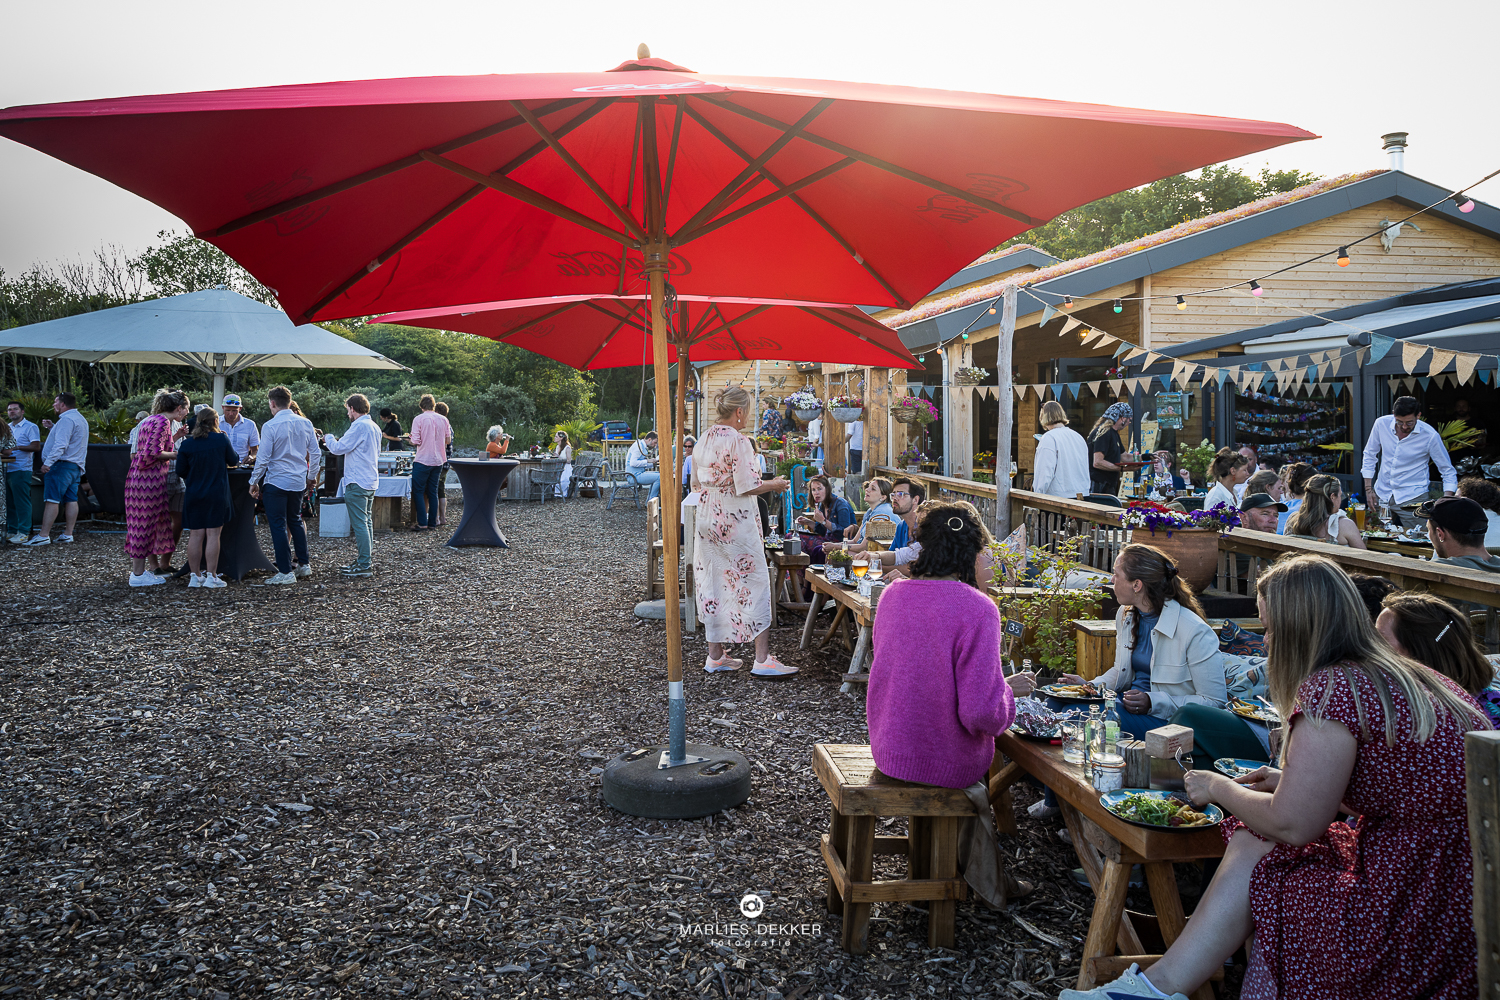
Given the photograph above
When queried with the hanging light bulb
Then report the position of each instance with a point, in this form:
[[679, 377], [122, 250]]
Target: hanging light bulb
[[1181, 302], [1464, 202], [1255, 288], [1067, 302], [966, 332], [1343, 257], [992, 310], [1119, 306], [922, 358]]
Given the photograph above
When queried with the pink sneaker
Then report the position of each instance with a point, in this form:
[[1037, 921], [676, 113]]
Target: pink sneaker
[[725, 665], [771, 667]]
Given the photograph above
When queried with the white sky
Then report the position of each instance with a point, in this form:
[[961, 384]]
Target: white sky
[[1348, 71]]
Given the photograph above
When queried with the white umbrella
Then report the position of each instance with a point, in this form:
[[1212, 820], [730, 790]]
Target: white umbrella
[[217, 331]]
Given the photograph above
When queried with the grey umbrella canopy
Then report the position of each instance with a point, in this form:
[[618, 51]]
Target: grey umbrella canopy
[[216, 331]]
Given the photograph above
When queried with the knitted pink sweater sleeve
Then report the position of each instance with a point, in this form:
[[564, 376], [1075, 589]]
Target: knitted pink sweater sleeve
[[985, 702]]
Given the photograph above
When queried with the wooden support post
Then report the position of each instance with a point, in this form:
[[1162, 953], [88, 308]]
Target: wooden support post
[[944, 865], [1482, 764], [1003, 361], [959, 413], [877, 417], [838, 839], [859, 862]]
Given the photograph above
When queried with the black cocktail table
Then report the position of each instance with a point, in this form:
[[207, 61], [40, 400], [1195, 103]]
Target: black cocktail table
[[481, 480], [239, 549]]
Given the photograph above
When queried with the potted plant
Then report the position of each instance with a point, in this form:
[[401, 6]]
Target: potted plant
[[911, 458], [1197, 459], [970, 376], [1046, 614], [1191, 539], [846, 409], [838, 561], [914, 410], [806, 405]]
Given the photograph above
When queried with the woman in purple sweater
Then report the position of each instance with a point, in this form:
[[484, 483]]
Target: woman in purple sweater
[[937, 695]]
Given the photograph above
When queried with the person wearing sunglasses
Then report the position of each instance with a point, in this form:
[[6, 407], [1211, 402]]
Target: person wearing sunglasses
[[1402, 443]]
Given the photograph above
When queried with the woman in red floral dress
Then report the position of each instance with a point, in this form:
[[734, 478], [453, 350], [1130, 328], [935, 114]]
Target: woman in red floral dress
[[149, 539], [1378, 908]]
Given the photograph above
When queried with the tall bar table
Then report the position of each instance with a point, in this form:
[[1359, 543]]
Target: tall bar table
[[239, 549], [481, 481]]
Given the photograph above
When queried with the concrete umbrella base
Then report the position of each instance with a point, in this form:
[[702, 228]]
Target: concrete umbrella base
[[635, 785]]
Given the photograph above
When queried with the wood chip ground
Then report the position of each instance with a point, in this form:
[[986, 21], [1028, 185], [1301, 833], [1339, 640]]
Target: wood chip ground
[[390, 787]]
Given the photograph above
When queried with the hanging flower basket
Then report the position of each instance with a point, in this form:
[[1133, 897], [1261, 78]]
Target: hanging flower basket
[[969, 376], [805, 405], [807, 416], [914, 410], [847, 414]]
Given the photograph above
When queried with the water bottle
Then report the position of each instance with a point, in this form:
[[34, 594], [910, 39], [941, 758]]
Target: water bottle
[[1111, 727], [1093, 735]]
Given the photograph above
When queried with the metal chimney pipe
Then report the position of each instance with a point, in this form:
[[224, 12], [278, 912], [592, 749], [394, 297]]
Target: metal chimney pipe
[[1395, 150]]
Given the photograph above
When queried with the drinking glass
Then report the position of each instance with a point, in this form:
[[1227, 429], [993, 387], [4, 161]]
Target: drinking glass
[[1073, 750], [771, 522], [860, 566], [876, 570]]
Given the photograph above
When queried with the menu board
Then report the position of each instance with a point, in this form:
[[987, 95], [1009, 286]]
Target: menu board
[[1171, 408]]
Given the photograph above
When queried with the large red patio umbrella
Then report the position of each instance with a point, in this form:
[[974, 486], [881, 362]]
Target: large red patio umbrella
[[376, 196], [593, 332]]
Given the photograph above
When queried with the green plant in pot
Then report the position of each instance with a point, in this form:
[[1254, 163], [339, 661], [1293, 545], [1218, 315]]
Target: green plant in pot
[[1197, 459], [839, 557]]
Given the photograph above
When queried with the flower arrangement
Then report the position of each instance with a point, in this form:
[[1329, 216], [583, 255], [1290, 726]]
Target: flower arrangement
[[804, 401], [768, 443], [914, 409], [1196, 459], [984, 460], [692, 395], [852, 402], [970, 376], [911, 456], [1153, 516]]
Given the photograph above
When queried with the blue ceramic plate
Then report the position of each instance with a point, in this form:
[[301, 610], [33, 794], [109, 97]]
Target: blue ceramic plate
[[1112, 800], [1234, 767]]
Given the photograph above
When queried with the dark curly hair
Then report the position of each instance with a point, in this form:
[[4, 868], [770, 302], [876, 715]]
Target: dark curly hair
[[952, 536]]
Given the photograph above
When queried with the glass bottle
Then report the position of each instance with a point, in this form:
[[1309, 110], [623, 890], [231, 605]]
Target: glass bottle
[[1093, 733], [1111, 728]]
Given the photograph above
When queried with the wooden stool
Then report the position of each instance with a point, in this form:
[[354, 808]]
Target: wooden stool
[[860, 794]]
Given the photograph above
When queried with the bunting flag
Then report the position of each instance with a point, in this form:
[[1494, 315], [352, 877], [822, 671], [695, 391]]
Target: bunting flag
[[1166, 381], [1073, 387], [1424, 382], [1122, 347], [1440, 360], [1379, 346], [1411, 354], [1484, 375], [1047, 313], [1069, 324], [1465, 364], [1116, 385], [1133, 353], [1056, 388]]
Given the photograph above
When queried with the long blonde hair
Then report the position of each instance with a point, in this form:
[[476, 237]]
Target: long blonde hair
[[1317, 506], [1316, 620]]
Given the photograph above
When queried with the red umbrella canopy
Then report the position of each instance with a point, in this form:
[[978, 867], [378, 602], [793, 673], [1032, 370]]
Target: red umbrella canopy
[[372, 196], [611, 331]]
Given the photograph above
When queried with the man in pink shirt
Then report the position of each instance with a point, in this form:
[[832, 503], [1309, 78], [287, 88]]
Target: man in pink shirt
[[429, 436]]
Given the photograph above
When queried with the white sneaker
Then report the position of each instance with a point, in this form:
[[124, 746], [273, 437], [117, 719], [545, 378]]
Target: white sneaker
[[18, 538], [37, 540], [1041, 810], [213, 581], [146, 580], [282, 578], [65, 539], [722, 666], [304, 570], [1131, 984], [771, 667], [195, 580]]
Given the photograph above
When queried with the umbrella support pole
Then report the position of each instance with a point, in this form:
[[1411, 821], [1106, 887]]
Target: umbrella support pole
[[676, 754]]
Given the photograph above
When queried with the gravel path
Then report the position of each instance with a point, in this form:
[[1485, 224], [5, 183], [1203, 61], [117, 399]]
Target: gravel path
[[389, 787]]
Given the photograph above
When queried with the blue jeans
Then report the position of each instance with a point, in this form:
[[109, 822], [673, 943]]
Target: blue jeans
[[18, 502], [358, 500], [647, 476], [283, 514], [425, 480], [60, 483]]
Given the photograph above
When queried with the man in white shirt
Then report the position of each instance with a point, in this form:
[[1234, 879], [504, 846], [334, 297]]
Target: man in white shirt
[[641, 461], [20, 466], [856, 437], [360, 447], [815, 440], [240, 430], [287, 465], [64, 455], [1404, 444]]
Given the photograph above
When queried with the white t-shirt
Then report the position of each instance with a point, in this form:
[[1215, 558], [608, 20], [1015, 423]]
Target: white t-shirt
[[815, 430], [1219, 494], [856, 432]]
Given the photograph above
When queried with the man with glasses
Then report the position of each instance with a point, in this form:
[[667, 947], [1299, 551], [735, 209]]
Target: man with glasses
[[687, 462], [1403, 445]]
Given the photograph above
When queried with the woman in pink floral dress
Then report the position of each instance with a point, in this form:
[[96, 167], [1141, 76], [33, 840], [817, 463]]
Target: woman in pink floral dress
[[729, 564], [149, 539], [1380, 908]]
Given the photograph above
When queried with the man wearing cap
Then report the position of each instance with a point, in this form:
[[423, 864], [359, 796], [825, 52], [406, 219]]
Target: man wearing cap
[[240, 430], [1259, 512], [1106, 449], [1404, 444], [1456, 527]]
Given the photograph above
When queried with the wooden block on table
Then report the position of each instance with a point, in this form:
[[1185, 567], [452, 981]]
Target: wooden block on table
[[1167, 740], [1137, 763]]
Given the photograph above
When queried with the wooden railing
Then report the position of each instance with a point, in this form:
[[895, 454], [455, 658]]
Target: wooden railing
[[981, 495]]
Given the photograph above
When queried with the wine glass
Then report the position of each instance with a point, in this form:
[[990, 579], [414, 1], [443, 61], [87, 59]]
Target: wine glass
[[859, 566], [772, 520], [876, 570]]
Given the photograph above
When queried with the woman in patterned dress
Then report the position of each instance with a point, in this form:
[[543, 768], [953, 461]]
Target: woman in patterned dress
[[148, 522], [729, 562], [1378, 908]]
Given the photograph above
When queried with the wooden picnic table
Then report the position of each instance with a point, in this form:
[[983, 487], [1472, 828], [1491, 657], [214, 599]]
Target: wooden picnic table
[[851, 607], [1107, 847], [1403, 547]]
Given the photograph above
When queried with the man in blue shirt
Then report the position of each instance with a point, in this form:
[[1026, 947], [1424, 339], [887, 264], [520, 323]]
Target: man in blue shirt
[[64, 457]]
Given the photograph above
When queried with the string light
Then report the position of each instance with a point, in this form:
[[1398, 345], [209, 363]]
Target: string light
[[1119, 306], [966, 332], [1067, 302], [1464, 202], [1255, 288], [992, 310], [1181, 302], [1343, 256]]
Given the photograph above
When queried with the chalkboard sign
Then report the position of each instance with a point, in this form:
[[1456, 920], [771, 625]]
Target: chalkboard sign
[[1014, 627], [1171, 408]]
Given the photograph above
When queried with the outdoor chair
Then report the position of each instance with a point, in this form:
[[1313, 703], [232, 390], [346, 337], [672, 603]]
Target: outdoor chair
[[622, 479], [545, 480], [1102, 499], [586, 468]]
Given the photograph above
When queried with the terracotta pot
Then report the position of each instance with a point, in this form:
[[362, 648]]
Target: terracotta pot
[[1194, 550]]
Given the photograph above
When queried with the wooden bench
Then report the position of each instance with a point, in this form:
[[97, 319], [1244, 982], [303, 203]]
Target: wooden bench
[[860, 795]]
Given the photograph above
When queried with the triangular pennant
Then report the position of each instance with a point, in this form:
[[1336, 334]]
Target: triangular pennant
[[1447, 382], [1464, 367], [1020, 392], [1484, 375], [1440, 360], [1056, 388], [1166, 381], [1069, 324], [1116, 385], [1133, 352], [1047, 313], [1121, 347], [1424, 381], [1411, 354], [1379, 346], [1073, 388]]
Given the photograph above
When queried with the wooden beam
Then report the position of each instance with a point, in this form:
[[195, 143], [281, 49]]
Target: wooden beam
[[1482, 766], [1004, 352]]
